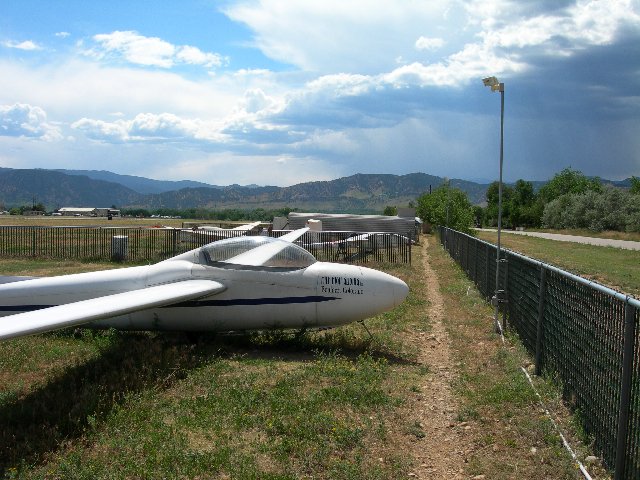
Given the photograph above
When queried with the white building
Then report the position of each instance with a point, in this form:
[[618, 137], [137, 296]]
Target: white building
[[88, 212]]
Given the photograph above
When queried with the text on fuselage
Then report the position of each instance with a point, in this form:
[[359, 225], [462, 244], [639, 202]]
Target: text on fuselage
[[349, 285]]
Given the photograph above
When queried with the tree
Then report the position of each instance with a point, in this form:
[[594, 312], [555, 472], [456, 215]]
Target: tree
[[568, 182], [635, 185], [432, 208], [390, 211], [523, 193], [493, 196], [478, 214], [525, 211]]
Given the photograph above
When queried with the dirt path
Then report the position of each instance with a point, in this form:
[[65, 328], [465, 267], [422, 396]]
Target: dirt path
[[440, 454]]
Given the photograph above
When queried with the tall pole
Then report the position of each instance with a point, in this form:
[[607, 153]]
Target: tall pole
[[496, 308]]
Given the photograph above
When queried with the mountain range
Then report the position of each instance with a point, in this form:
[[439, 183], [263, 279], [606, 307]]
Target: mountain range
[[361, 193]]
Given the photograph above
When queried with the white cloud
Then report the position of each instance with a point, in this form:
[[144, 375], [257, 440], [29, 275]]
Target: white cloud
[[151, 51], [150, 127], [62, 34], [256, 71], [194, 56], [371, 37], [136, 48], [81, 88], [255, 100], [358, 36], [27, 45], [22, 120], [363, 98], [585, 23], [424, 43]]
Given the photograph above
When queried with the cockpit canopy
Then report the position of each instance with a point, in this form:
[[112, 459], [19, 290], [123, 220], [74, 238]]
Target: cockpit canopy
[[274, 254]]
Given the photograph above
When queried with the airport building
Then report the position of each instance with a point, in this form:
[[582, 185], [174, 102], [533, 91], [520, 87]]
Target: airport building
[[88, 212]]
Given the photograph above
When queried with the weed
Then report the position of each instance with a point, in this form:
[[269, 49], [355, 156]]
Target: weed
[[415, 429]]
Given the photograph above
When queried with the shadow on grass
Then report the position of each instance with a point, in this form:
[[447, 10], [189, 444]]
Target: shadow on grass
[[77, 396], [36, 424], [301, 346]]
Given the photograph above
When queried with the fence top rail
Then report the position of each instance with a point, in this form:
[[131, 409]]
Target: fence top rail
[[242, 232], [619, 296], [96, 227]]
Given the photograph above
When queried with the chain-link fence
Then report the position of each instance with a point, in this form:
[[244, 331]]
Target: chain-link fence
[[153, 244], [582, 332]]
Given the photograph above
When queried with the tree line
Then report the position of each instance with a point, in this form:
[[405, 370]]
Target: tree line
[[569, 200], [234, 215]]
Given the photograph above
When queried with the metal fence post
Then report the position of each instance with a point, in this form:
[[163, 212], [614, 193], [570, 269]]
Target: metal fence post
[[543, 292], [475, 261], [175, 242], [33, 243], [625, 389], [505, 298], [486, 274]]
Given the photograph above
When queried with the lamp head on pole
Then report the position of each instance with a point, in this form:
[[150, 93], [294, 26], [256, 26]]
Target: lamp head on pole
[[494, 83]]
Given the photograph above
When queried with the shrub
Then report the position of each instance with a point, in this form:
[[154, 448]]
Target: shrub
[[611, 209]]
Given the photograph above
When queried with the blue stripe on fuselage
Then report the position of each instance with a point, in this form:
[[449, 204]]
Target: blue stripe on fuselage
[[201, 303], [23, 308], [252, 301]]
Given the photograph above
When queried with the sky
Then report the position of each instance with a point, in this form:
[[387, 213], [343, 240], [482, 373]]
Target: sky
[[280, 92]]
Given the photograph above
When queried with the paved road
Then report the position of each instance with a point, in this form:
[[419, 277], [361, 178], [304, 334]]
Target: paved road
[[602, 242]]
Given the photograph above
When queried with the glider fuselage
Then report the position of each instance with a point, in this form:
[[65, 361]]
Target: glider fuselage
[[255, 298]]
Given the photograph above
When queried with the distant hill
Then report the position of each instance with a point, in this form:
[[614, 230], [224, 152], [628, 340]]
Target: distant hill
[[140, 184], [361, 193], [55, 190]]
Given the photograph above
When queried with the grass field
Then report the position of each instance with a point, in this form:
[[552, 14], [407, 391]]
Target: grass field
[[614, 235], [338, 404], [614, 267]]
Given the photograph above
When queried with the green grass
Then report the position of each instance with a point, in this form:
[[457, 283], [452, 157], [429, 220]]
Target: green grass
[[613, 267], [497, 401], [84, 404], [153, 406]]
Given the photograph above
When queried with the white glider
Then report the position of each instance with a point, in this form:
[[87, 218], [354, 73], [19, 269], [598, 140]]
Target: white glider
[[236, 284]]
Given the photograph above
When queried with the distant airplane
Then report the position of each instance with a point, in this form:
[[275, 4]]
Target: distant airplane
[[248, 283]]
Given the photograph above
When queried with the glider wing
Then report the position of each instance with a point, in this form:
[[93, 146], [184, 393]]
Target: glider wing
[[77, 313]]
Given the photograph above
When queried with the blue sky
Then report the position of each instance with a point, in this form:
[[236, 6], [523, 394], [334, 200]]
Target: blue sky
[[289, 91]]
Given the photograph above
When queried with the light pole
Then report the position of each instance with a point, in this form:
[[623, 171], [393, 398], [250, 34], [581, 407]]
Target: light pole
[[497, 86]]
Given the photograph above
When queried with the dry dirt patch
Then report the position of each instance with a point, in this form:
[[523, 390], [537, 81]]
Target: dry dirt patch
[[441, 453]]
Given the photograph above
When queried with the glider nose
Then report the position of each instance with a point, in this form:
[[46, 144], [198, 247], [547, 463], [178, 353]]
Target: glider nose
[[387, 291], [348, 293], [400, 291]]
